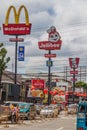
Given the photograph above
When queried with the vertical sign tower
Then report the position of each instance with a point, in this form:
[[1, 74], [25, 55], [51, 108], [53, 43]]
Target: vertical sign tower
[[16, 29], [73, 62], [54, 43]]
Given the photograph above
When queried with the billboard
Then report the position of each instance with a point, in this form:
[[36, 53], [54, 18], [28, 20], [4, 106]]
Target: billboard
[[36, 89], [17, 28], [38, 83]]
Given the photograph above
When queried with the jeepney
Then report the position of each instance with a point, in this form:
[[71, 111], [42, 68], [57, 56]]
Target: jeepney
[[81, 123]]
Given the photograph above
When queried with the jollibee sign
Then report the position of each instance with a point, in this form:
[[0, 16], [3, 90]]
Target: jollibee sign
[[54, 41], [17, 28], [47, 45]]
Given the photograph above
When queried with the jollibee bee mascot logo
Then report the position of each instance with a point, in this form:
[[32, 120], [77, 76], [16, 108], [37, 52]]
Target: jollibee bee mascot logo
[[54, 36]]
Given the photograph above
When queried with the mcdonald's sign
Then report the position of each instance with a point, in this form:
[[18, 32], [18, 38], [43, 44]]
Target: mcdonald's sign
[[17, 28]]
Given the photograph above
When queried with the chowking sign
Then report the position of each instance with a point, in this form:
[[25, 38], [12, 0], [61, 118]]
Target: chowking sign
[[54, 41], [17, 28]]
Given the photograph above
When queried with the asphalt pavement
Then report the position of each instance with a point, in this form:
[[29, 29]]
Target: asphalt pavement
[[38, 119]]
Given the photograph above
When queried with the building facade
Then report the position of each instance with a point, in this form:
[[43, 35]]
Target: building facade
[[9, 90]]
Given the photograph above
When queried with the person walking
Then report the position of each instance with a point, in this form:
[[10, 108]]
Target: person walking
[[66, 110]]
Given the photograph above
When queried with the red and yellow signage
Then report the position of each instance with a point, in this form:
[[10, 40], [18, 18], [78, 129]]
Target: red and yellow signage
[[38, 83], [47, 45], [54, 41], [17, 28], [50, 55], [74, 62]]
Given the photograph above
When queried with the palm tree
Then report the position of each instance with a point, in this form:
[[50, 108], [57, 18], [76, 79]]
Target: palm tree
[[3, 61]]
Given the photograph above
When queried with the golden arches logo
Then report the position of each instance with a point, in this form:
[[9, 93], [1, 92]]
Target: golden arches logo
[[17, 28], [17, 14]]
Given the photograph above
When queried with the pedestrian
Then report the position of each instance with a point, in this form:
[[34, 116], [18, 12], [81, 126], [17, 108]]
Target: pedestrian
[[16, 111], [66, 110]]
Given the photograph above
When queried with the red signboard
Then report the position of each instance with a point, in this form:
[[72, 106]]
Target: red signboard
[[73, 79], [38, 83], [16, 39], [50, 55], [47, 45], [74, 62], [74, 72], [17, 29]]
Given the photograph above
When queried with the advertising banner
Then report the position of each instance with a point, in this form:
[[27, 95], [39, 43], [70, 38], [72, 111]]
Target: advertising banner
[[17, 28], [74, 62], [21, 52], [54, 40], [47, 45], [74, 72], [16, 39], [36, 89], [50, 55], [38, 83]]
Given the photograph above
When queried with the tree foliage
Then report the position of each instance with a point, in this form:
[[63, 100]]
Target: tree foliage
[[3, 60], [81, 84]]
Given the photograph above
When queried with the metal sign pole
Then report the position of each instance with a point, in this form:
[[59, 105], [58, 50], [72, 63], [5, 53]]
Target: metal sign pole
[[73, 85], [16, 45], [49, 81]]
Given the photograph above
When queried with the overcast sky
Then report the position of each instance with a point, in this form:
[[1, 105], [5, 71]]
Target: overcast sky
[[70, 19]]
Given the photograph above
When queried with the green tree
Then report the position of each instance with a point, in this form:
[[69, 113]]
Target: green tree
[[3, 60], [81, 84]]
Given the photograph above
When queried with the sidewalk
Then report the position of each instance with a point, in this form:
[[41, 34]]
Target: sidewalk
[[4, 125]]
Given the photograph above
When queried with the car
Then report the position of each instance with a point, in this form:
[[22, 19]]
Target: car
[[9, 103], [72, 108], [26, 110], [46, 112], [38, 108], [55, 110], [49, 111], [7, 115]]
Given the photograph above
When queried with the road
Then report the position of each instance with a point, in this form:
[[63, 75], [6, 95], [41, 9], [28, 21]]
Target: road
[[61, 123]]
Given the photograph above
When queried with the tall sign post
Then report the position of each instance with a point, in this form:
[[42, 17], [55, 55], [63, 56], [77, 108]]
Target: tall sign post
[[74, 62], [54, 43], [16, 29]]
